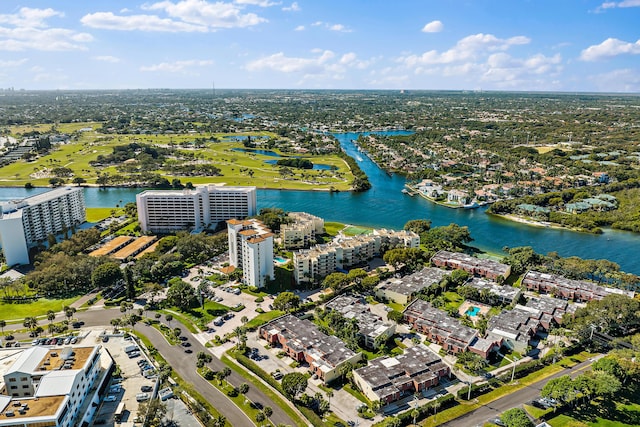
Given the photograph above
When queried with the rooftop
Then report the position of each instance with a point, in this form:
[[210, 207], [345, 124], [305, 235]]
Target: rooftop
[[415, 282]]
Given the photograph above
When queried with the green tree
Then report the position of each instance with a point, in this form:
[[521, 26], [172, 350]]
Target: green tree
[[286, 301], [335, 281], [106, 275], [418, 226], [293, 384], [516, 417], [395, 316], [181, 294]]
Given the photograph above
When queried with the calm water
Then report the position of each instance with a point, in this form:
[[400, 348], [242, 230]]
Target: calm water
[[385, 206]]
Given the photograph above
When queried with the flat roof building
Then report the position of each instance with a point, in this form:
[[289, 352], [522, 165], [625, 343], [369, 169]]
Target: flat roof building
[[402, 290], [559, 286], [302, 232], [163, 211], [373, 330], [28, 222], [439, 327], [389, 379], [52, 386], [305, 343], [498, 294], [476, 266]]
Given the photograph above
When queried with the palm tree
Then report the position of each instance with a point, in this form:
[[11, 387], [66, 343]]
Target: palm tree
[[51, 315], [436, 405], [30, 323], [3, 323], [329, 396], [219, 421]]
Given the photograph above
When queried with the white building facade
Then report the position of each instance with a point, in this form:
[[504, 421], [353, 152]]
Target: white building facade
[[30, 221], [164, 211], [251, 249]]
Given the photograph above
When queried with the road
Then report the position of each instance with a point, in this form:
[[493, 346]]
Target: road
[[515, 399]]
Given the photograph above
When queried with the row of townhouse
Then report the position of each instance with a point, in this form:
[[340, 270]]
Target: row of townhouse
[[497, 294], [313, 264], [302, 341], [373, 330], [442, 329], [302, 232], [518, 327], [475, 266], [402, 290], [388, 379], [577, 290]]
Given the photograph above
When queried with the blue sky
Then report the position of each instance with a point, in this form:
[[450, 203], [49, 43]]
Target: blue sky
[[542, 45]]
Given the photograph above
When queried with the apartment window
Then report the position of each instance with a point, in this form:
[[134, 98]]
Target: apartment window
[[12, 380], [14, 387]]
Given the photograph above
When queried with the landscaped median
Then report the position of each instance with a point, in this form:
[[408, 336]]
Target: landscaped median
[[204, 411], [300, 414]]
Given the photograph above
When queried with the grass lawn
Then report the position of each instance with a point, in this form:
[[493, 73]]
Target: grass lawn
[[18, 312], [621, 411], [263, 318], [98, 214], [396, 306], [276, 397], [332, 228], [453, 300], [237, 167]]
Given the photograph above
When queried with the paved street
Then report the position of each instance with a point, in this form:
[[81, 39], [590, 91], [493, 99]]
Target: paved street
[[513, 400]]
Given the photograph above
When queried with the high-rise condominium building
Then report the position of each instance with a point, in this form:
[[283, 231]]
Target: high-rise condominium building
[[30, 221], [163, 211], [251, 248]]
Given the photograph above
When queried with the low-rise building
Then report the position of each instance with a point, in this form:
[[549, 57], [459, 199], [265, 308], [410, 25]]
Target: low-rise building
[[397, 238], [497, 294], [372, 328], [439, 327], [402, 290], [305, 343], [559, 286], [311, 265], [388, 379], [476, 266]]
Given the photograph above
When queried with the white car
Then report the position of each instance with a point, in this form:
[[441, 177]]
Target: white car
[[110, 398]]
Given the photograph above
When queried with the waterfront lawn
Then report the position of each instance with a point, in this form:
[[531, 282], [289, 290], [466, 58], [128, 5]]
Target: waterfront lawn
[[98, 214], [15, 313], [621, 411], [356, 230], [332, 228]]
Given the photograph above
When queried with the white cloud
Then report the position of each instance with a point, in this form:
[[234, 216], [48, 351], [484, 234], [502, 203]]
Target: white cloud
[[28, 30], [12, 63], [212, 15], [109, 21], [280, 62], [332, 27], [622, 4], [299, 28], [177, 66], [468, 48], [261, 3], [622, 80], [295, 7], [433, 27], [107, 58], [181, 16], [609, 48]]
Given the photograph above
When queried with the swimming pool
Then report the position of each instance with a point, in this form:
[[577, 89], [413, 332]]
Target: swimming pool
[[280, 259], [472, 311]]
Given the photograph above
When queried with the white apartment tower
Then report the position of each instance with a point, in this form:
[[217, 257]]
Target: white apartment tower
[[27, 222], [164, 211], [251, 248]]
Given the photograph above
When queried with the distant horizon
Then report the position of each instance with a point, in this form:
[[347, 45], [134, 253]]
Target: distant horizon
[[592, 46], [399, 91]]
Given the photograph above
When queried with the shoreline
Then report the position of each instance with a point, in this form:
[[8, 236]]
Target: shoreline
[[539, 224], [432, 200], [142, 188]]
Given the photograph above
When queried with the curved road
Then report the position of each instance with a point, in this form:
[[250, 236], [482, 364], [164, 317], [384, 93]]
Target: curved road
[[185, 365]]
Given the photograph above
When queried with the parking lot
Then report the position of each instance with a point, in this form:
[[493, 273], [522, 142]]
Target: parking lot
[[132, 383]]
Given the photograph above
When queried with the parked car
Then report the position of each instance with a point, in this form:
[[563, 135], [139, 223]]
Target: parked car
[[146, 388], [110, 398], [141, 397]]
